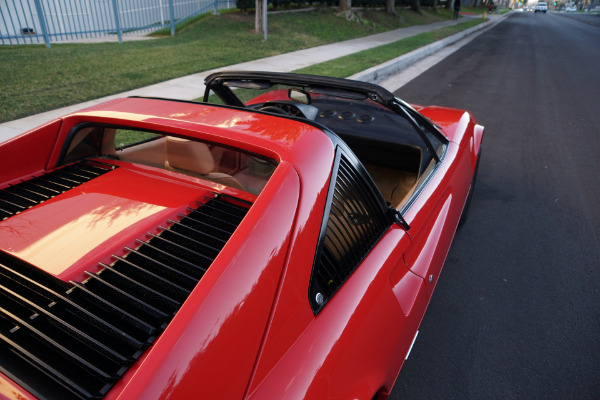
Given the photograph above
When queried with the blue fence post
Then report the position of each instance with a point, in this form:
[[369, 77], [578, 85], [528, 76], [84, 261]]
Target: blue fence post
[[172, 12], [265, 5], [117, 23], [216, 7], [42, 18]]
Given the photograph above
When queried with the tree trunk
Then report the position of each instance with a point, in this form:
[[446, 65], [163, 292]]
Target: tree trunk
[[258, 17], [345, 5], [434, 6], [415, 5], [390, 6]]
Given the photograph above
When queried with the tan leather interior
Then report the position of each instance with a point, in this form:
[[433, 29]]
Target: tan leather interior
[[195, 159], [108, 142], [395, 185], [183, 154], [150, 153]]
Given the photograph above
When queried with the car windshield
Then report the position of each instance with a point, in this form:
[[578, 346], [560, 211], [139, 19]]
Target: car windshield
[[253, 92]]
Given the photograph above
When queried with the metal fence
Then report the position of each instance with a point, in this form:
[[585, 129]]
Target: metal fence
[[46, 21]]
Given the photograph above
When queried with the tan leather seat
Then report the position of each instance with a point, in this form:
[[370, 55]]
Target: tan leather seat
[[195, 159]]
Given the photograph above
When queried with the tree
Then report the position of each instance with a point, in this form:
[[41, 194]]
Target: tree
[[345, 5], [390, 6], [415, 5], [259, 22]]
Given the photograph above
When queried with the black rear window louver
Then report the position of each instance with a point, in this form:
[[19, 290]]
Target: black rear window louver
[[354, 223], [76, 340], [28, 193]]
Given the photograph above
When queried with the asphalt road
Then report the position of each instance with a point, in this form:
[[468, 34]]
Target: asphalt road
[[516, 313]]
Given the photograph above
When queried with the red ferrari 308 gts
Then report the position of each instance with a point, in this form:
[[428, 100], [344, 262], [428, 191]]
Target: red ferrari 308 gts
[[279, 240]]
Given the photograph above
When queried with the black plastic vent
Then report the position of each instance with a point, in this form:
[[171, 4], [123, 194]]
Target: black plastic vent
[[28, 193], [76, 340], [354, 223]]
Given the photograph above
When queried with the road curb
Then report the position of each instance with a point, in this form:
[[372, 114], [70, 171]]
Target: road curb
[[390, 68]]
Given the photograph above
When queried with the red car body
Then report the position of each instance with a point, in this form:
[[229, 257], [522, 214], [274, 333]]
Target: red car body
[[250, 326]]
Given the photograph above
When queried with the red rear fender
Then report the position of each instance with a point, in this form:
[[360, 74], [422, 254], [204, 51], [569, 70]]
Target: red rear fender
[[28, 153]]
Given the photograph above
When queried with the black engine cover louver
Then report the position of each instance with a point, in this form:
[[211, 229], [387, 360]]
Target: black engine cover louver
[[28, 193], [77, 340]]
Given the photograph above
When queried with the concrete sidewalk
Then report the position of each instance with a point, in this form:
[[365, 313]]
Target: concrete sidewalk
[[192, 86]]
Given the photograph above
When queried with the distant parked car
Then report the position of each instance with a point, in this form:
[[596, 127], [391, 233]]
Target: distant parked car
[[570, 8], [541, 7]]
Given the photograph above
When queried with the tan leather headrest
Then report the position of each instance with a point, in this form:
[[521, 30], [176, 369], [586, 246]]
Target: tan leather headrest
[[189, 155]]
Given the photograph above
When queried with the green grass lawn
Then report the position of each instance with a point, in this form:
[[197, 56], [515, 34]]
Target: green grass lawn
[[34, 79], [354, 63]]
